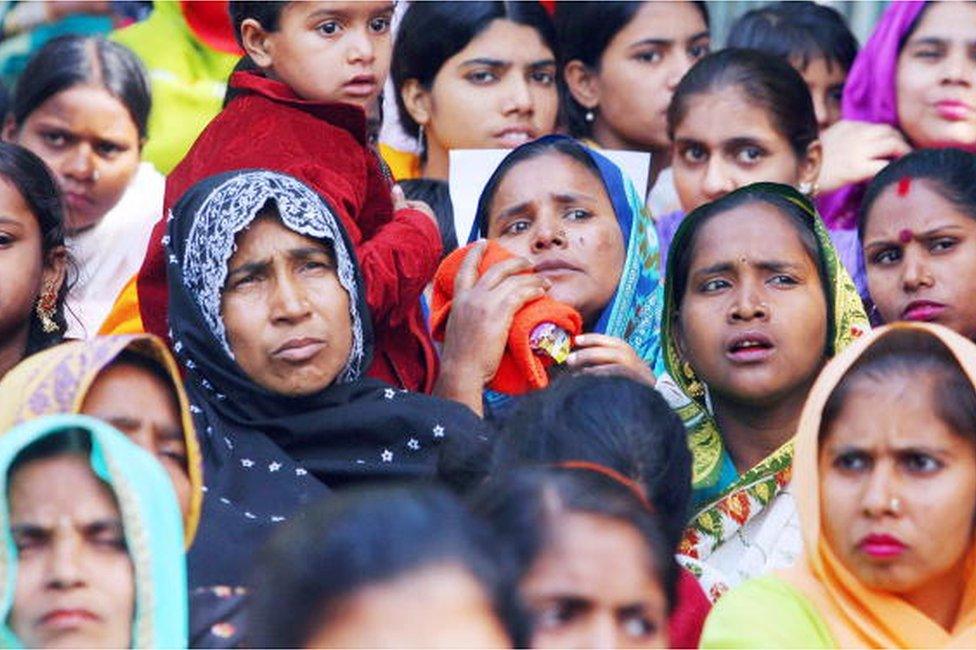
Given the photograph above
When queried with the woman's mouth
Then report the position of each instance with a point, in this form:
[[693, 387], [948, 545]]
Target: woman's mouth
[[78, 200], [749, 348], [554, 267], [954, 110], [298, 350], [923, 310], [882, 546], [513, 137], [67, 619]]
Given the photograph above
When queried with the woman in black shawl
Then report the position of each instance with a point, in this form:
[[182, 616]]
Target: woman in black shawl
[[268, 315]]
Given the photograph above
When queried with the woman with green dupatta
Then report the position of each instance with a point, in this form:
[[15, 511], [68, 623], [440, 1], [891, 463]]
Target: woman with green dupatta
[[92, 540], [755, 302]]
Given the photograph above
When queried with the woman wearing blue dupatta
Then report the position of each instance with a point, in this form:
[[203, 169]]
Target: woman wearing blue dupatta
[[113, 505], [577, 222]]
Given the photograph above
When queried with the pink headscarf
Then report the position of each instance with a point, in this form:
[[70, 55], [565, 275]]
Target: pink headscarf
[[869, 96]]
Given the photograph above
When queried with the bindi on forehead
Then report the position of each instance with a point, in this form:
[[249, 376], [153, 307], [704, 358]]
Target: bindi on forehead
[[904, 186]]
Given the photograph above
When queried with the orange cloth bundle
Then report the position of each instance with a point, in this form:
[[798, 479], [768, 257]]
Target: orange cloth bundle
[[522, 369]]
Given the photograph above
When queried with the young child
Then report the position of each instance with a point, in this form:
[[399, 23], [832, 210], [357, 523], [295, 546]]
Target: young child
[[319, 65]]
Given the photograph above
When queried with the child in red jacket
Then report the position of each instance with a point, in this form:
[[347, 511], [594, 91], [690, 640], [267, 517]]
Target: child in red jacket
[[320, 65]]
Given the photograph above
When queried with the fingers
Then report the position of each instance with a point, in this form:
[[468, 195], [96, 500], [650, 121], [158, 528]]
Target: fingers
[[467, 275], [500, 272], [399, 198]]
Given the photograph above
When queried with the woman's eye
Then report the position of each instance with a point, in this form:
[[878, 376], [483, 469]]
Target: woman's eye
[[694, 154], [749, 155], [543, 77], [852, 461], [516, 228], [918, 463], [55, 139], [5, 240], [639, 626], [555, 615], [942, 245], [107, 149], [699, 51], [245, 281], [783, 280], [886, 257], [330, 28], [649, 56], [577, 214], [714, 285], [481, 77], [380, 25]]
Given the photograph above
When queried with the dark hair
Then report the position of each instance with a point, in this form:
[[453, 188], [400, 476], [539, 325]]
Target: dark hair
[[585, 29], [799, 32], [951, 172], [35, 183], [66, 442], [545, 145], [70, 61], [764, 81], [432, 32], [363, 537], [268, 14], [611, 421], [911, 354], [524, 507], [679, 261]]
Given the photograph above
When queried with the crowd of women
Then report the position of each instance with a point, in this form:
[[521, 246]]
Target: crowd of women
[[274, 398]]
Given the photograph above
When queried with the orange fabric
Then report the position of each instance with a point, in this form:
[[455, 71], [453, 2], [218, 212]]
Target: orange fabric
[[125, 317], [520, 370], [859, 617]]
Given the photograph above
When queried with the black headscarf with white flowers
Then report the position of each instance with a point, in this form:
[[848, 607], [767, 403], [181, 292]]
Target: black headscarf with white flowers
[[267, 454]]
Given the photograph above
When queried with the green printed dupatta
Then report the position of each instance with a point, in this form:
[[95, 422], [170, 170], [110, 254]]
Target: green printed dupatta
[[150, 517], [724, 500]]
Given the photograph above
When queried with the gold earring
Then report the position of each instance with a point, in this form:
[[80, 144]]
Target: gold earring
[[45, 311], [695, 388]]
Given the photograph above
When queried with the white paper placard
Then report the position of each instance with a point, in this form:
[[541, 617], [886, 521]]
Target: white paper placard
[[470, 170]]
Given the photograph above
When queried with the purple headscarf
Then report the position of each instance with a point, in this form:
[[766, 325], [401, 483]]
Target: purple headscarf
[[869, 96]]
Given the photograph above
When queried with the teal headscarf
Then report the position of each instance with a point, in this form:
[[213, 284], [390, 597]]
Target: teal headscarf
[[150, 517], [634, 311]]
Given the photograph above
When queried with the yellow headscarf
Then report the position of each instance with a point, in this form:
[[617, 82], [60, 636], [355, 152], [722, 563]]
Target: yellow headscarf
[[858, 616], [57, 380]]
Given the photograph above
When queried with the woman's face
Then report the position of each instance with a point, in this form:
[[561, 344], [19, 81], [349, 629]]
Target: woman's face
[[286, 314], [825, 78], [753, 319], [594, 586], [75, 585], [399, 614], [639, 71], [555, 212], [496, 93], [88, 139], [25, 270], [898, 488], [140, 405], [920, 253], [725, 142], [935, 83]]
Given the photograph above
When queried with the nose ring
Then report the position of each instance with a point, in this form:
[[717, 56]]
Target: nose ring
[[96, 175], [895, 505]]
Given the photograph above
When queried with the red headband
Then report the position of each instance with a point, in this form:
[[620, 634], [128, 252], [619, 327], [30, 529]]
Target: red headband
[[612, 474]]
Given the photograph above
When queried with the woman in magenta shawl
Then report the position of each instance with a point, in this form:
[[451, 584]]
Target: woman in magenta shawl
[[916, 74]]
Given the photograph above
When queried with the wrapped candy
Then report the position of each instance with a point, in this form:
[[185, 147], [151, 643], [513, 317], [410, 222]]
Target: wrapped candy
[[548, 339]]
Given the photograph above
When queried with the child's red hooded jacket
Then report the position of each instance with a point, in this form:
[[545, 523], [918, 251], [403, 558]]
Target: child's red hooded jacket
[[267, 126]]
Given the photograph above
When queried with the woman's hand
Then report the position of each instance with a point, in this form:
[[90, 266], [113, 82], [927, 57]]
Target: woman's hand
[[481, 316], [857, 151], [598, 354]]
